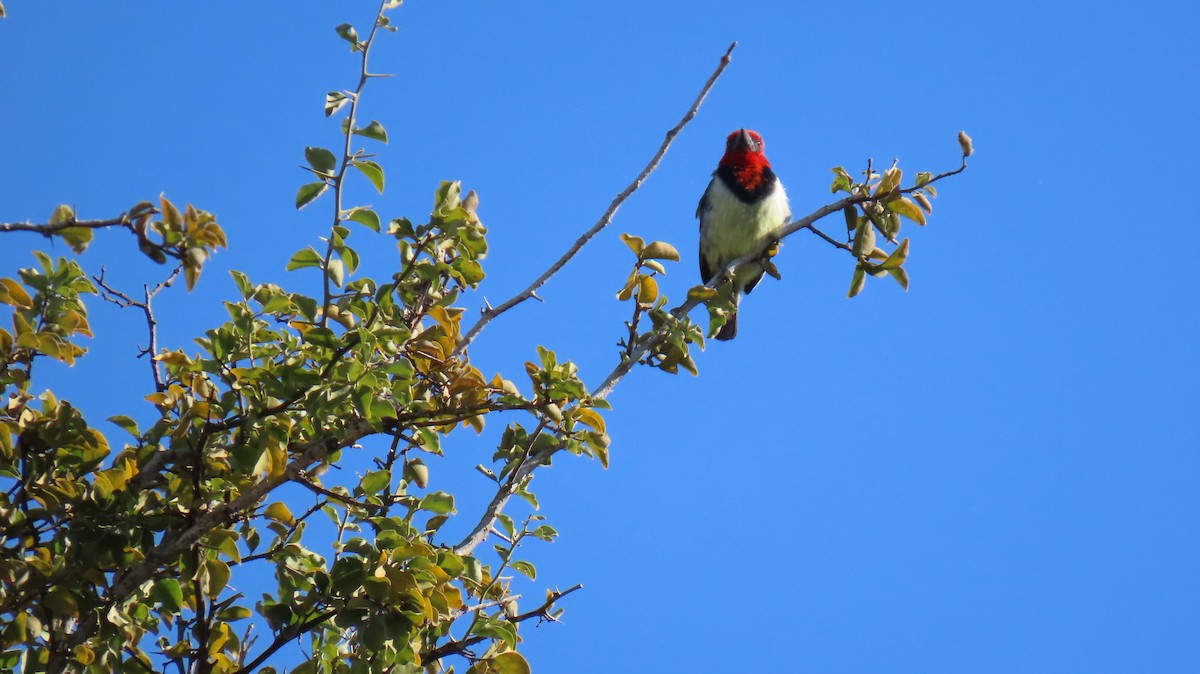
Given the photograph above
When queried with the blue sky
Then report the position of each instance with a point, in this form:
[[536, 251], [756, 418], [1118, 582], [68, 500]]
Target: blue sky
[[994, 472]]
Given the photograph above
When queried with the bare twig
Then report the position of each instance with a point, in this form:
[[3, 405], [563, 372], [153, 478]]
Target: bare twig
[[530, 292], [304, 480], [124, 301]]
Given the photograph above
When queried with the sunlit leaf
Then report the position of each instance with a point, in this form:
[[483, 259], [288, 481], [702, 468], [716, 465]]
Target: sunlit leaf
[[320, 159], [307, 193], [374, 130], [373, 172]]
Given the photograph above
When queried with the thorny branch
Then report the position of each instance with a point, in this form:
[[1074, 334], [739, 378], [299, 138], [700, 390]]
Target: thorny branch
[[50, 229], [530, 292], [347, 150]]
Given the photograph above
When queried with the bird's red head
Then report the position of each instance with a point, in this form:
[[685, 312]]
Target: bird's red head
[[744, 157]]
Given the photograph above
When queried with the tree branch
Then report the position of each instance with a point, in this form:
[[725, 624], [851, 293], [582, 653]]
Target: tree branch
[[49, 229], [480, 532], [492, 312]]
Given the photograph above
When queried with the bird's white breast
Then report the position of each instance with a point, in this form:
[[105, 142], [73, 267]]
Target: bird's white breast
[[731, 228]]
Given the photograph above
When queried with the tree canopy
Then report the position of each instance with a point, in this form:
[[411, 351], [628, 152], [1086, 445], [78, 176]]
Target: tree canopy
[[125, 550]]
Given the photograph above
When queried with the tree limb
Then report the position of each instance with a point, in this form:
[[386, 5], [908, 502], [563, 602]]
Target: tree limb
[[492, 312]]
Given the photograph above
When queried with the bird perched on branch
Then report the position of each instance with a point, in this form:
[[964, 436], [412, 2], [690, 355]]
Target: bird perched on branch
[[740, 213]]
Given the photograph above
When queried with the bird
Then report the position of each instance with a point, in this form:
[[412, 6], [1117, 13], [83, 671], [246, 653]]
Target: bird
[[740, 213]]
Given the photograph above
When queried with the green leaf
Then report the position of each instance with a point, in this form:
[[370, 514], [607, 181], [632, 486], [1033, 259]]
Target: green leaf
[[864, 239], [307, 257], [365, 217], [374, 130], [321, 160], [373, 172], [128, 425], [347, 33], [168, 592], [375, 481], [319, 336], [525, 568], [218, 576], [77, 238], [857, 283], [62, 213], [842, 182], [347, 574], [901, 276], [438, 502], [306, 193], [61, 602], [336, 271], [243, 283], [497, 628], [234, 613]]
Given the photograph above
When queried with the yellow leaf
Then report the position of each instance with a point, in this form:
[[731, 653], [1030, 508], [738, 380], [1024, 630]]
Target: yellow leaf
[[908, 209], [897, 257], [647, 290], [13, 294], [635, 243], [660, 250], [589, 417]]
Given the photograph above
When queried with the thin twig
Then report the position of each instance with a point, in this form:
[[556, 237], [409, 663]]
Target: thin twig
[[284, 636], [124, 301], [455, 615], [455, 647], [530, 292]]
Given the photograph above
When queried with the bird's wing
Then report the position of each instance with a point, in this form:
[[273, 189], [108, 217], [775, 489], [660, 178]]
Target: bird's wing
[[702, 210]]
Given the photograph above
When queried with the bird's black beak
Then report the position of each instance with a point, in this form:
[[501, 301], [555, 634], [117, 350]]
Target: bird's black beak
[[743, 141]]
